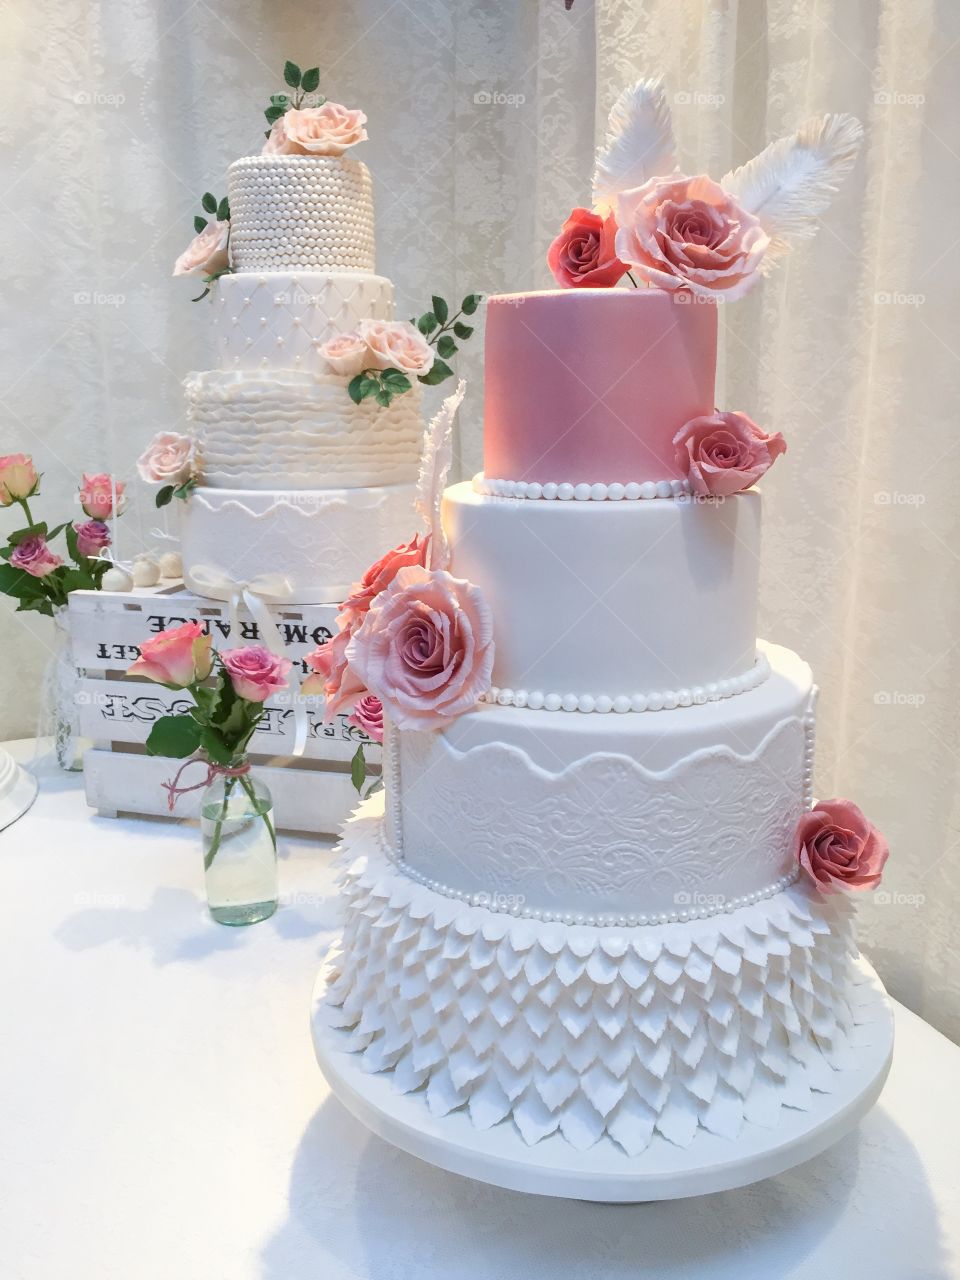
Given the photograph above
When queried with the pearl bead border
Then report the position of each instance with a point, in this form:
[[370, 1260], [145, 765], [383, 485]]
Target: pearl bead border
[[631, 920], [669, 700], [570, 492]]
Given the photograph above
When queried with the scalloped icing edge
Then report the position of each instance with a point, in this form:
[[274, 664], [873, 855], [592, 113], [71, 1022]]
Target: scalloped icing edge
[[367, 499]]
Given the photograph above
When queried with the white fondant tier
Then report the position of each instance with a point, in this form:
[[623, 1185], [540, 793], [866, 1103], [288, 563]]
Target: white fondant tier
[[592, 1033], [611, 599], [612, 819], [312, 213], [318, 542], [279, 320], [297, 430]]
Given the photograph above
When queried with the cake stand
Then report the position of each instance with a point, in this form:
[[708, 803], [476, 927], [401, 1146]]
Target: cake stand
[[604, 1172], [18, 789]]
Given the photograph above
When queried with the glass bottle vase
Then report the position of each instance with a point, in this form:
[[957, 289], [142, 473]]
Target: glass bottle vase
[[239, 849]]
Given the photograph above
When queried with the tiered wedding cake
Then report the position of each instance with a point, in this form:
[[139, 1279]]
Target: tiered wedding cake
[[600, 912]]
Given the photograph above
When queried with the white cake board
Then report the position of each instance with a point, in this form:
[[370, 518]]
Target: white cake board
[[604, 1172], [18, 789]]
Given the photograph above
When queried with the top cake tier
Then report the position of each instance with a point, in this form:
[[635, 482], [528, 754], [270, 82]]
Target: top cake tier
[[592, 385], [306, 213]]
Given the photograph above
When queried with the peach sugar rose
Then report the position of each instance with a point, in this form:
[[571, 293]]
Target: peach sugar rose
[[328, 130], [396, 344]]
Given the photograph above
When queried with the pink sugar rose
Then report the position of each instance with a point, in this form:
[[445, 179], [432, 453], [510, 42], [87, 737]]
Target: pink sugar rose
[[687, 233], [33, 556], [327, 130], [18, 478], [396, 344], [255, 672], [724, 453], [92, 537], [368, 716], [346, 354], [167, 459], [178, 657], [425, 648], [383, 571], [583, 255], [839, 848], [97, 494], [333, 679], [207, 253]]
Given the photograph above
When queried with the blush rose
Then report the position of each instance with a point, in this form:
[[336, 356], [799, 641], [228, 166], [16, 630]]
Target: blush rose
[[179, 657], [92, 537], [583, 256], [368, 716], [167, 459], [724, 453], [255, 672], [425, 648], [333, 679], [18, 478], [346, 354], [688, 233], [33, 556], [97, 495], [396, 344], [839, 848], [328, 130], [207, 253]]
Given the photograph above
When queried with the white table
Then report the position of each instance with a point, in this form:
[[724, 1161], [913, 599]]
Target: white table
[[162, 1118]]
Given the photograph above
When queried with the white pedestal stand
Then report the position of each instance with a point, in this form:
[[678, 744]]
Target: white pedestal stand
[[18, 789], [604, 1172]]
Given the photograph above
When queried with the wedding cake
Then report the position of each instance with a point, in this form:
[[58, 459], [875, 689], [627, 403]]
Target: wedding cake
[[599, 913]]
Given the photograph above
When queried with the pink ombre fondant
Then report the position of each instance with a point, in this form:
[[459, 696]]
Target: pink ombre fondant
[[592, 385]]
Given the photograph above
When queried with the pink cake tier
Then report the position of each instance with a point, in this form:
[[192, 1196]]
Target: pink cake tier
[[591, 385]]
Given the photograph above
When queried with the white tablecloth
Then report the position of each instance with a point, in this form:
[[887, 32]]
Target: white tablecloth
[[162, 1118]]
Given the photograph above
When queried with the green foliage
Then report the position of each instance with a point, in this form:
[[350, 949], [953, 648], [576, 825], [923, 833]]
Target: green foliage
[[440, 308], [208, 203], [462, 330], [310, 80], [223, 210], [176, 736], [438, 373], [292, 74], [199, 224], [358, 769], [427, 323], [446, 346], [164, 496], [470, 303]]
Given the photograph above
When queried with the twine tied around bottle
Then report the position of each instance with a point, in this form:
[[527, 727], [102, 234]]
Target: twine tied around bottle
[[175, 791]]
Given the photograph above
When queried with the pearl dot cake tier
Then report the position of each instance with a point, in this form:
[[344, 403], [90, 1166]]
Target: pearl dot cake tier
[[611, 815], [591, 385], [314, 542], [299, 431], [603, 600], [308, 212], [280, 319]]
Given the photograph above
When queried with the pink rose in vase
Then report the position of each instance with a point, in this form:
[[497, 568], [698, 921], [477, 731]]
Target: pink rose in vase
[[396, 344], [583, 256], [18, 478], [687, 233], [207, 253], [839, 848], [327, 130], [167, 459], [178, 657], [346, 354], [33, 556], [92, 537], [368, 715], [425, 648], [724, 453], [255, 672], [97, 494]]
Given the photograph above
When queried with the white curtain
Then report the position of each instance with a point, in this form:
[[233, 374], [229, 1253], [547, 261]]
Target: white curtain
[[482, 125]]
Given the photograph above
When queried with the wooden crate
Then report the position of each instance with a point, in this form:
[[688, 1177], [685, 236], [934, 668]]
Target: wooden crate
[[312, 792]]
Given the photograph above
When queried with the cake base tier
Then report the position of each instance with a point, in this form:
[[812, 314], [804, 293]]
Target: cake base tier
[[605, 1173], [18, 790], [303, 546]]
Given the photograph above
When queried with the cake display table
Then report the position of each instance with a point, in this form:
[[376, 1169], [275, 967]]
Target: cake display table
[[163, 1115]]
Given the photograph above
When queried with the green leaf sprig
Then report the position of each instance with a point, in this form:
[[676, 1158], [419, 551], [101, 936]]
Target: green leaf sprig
[[183, 491], [219, 209], [303, 83]]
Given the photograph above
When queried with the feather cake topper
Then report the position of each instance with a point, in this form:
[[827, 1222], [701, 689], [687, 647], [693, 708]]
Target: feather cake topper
[[435, 463], [639, 144]]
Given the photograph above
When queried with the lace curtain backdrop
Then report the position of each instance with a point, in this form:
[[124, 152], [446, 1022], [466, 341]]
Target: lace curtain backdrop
[[482, 120]]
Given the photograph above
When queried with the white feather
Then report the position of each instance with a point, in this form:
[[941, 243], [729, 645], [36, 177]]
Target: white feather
[[790, 183], [639, 143], [435, 463]]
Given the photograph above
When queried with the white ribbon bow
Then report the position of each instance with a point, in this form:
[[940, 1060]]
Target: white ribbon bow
[[254, 594]]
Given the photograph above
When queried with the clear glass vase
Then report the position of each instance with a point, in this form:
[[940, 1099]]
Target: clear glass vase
[[239, 849], [59, 697]]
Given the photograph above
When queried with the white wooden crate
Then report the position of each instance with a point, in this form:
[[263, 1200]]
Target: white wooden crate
[[116, 711]]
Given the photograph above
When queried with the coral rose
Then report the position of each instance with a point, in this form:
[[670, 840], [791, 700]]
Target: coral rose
[[723, 453], [396, 344], [583, 255], [368, 716], [688, 233], [167, 459], [255, 672], [346, 354], [33, 556], [18, 478], [207, 253], [92, 537], [839, 848], [327, 130], [97, 494], [425, 648], [178, 657], [383, 571], [333, 679]]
